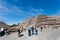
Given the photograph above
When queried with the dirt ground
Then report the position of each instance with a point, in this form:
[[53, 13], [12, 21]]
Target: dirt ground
[[46, 34]]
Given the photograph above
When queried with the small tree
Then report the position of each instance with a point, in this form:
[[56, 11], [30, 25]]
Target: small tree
[[14, 25]]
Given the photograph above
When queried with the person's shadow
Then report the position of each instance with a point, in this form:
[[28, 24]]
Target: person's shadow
[[21, 35]]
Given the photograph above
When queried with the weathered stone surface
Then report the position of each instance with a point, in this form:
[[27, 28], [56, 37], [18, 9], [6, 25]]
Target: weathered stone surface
[[41, 21]]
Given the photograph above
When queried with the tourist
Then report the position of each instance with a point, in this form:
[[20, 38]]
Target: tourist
[[7, 31], [19, 32], [32, 28], [41, 28], [2, 32], [29, 31], [36, 30]]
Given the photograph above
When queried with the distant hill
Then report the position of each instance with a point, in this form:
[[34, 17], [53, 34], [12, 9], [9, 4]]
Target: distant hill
[[4, 25]]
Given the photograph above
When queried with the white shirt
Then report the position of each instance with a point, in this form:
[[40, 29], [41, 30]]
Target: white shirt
[[29, 28], [2, 29]]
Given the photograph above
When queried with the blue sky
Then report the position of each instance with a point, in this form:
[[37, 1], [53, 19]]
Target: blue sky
[[16, 11]]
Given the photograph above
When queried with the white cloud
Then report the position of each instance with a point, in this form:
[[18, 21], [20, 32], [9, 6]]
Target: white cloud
[[3, 18], [0, 7], [32, 11], [7, 9]]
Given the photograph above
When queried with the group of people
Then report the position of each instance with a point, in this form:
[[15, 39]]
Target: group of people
[[32, 31], [3, 32]]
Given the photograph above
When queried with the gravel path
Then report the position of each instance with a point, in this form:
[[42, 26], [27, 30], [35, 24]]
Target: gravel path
[[49, 34]]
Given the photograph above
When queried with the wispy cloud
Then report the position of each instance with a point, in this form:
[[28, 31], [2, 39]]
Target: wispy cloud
[[5, 10], [11, 12], [33, 11]]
